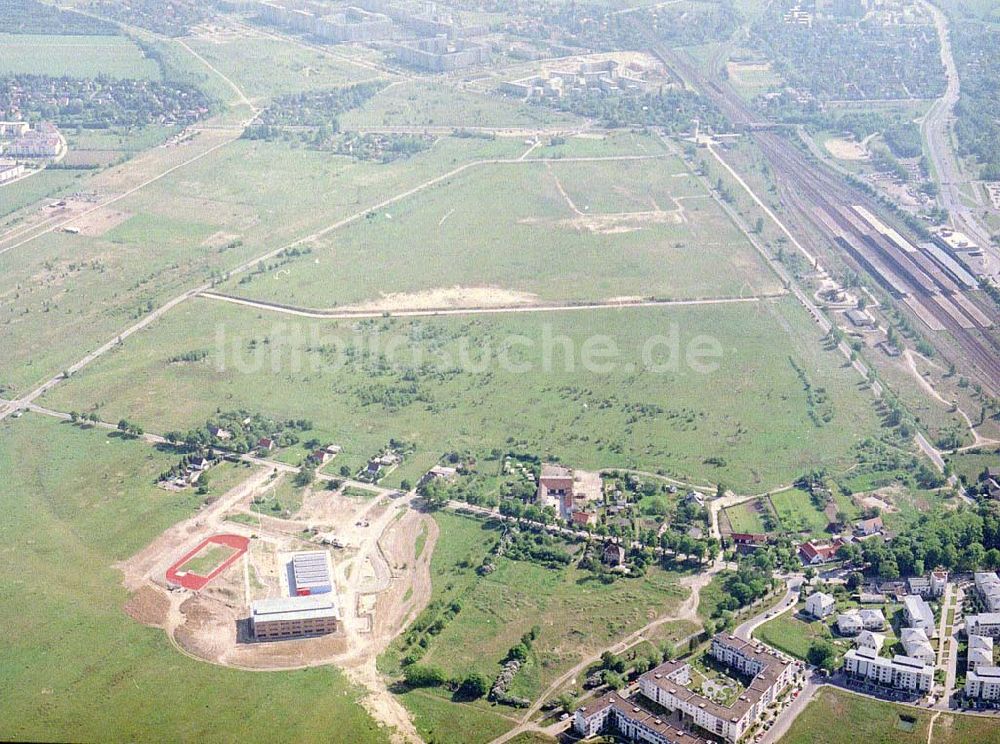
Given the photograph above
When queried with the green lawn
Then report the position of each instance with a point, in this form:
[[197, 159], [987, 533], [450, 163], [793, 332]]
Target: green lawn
[[79, 56], [449, 384], [746, 517], [75, 666], [440, 720], [838, 717], [792, 635], [45, 185]]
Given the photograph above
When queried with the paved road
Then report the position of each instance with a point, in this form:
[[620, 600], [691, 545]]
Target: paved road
[[785, 604], [936, 130]]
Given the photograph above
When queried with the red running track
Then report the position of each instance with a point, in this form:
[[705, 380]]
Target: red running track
[[194, 581]]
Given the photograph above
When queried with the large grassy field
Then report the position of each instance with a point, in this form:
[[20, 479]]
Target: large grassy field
[[44, 185], [576, 613], [797, 512], [543, 228], [420, 104], [78, 56], [504, 381], [179, 231], [838, 717], [75, 667], [263, 67]]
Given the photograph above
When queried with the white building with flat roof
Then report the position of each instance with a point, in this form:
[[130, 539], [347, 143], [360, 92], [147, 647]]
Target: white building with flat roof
[[311, 573], [899, 672], [980, 652], [294, 617], [983, 624], [983, 683]]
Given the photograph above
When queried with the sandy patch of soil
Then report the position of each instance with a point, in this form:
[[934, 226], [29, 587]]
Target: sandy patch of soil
[[843, 149], [100, 221], [149, 606], [219, 239], [445, 298], [209, 627], [883, 498]]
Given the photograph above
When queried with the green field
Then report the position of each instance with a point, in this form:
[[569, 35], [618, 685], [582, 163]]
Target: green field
[[793, 635], [425, 104], [75, 666], [576, 613], [452, 383], [509, 227], [746, 517], [77, 56], [45, 185], [264, 67], [797, 513], [864, 719], [97, 287]]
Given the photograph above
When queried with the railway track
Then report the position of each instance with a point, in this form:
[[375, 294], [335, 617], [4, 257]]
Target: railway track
[[822, 201]]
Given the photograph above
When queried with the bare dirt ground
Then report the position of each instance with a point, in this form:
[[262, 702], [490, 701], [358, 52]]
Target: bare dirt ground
[[97, 223], [381, 586], [445, 297], [843, 149], [883, 498]]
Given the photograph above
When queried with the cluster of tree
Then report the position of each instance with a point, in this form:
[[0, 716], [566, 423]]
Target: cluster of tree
[[904, 139], [977, 113], [102, 102], [752, 580], [855, 59], [166, 17], [317, 108], [429, 623], [188, 356], [671, 109], [33, 17], [240, 431], [962, 539], [540, 548], [130, 429], [471, 687], [594, 27]]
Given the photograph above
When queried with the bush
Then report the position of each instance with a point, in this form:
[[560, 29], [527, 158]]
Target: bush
[[423, 676]]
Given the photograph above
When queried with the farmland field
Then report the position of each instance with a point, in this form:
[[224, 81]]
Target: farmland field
[[75, 502], [77, 56], [452, 383]]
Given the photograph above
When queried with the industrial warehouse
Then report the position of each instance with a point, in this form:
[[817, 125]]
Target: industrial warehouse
[[293, 617]]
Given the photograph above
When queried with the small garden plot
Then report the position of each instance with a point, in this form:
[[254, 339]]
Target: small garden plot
[[797, 512]]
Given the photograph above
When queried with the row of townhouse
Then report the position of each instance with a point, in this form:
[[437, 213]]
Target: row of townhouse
[[667, 686]]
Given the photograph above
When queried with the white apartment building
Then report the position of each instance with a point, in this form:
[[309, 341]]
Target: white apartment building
[[983, 683], [899, 672], [983, 624], [919, 614]]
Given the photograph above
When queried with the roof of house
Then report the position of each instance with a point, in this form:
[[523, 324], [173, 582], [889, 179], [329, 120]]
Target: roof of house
[[918, 610], [868, 638], [870, 525], [823, 598]]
